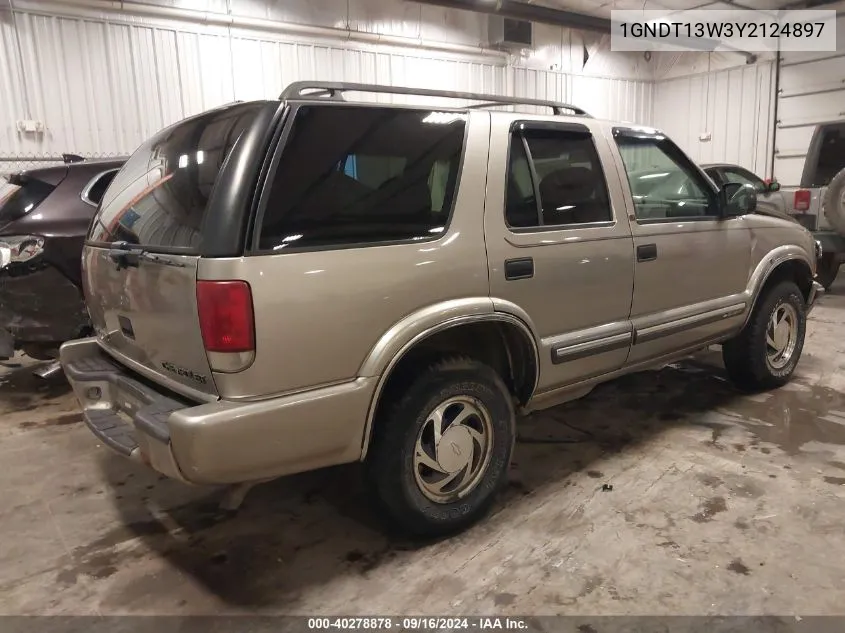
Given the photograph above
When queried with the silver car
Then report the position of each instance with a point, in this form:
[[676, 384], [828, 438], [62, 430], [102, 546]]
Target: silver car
[[770, 199]]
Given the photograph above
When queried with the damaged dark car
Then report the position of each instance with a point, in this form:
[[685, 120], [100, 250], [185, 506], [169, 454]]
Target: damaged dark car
[[44, 216]]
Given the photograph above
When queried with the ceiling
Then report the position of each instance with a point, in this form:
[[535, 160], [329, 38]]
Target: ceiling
[[603, 7]]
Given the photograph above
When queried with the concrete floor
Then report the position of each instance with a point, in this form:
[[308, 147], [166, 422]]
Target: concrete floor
[[720, 504]]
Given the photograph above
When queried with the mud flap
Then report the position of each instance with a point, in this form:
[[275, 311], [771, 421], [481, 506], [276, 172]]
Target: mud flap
[[7, 344]]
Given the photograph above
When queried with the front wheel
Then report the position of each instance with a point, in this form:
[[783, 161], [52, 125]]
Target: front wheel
[[441, 449], [764, 355]]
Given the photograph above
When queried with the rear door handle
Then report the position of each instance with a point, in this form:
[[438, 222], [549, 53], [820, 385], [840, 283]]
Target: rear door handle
[[646, 252], [521, 268]]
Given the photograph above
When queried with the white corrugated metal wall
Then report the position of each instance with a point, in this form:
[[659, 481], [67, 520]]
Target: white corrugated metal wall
[[812, 91], [734, 106], [103, 82]]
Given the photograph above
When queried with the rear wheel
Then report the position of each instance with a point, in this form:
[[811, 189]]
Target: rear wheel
[[764, 355], [828, 269], [441, 448]]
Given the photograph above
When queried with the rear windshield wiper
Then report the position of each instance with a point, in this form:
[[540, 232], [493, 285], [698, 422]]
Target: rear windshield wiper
[[125, 255]]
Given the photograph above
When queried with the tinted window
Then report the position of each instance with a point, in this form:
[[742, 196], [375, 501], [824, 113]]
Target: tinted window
[[18, 200], [351, 175], [742, 177], [98, 187], [831, 155], [664, 183], [159, 197], [564, 169], [715, 176]]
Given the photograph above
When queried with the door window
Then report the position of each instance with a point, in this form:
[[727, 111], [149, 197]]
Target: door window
[[664, 183], [555, 179]]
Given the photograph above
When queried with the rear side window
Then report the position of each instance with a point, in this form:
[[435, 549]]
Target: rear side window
[[94, 190], [555, 179], [160, 196], [363, 175], [19, 199]]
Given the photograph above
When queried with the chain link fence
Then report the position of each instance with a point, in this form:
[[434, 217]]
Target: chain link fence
[[11, 164]]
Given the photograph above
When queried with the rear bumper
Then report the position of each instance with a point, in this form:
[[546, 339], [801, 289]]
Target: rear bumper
[[217, 442]]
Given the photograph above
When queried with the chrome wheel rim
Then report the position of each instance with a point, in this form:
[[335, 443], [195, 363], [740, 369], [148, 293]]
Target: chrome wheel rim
[[781, 336], [453, 449]]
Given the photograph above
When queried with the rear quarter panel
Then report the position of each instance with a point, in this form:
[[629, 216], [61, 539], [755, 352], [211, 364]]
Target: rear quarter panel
[[319, 313]]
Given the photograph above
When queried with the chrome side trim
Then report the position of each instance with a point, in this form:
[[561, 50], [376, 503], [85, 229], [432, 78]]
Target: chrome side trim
[[567, 353], [648, 321], [86, 191], [687, 323], [444, 325], [588, 335], [572, 391]]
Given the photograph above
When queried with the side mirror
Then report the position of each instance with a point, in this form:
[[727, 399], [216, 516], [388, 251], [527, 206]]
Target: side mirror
[[736, 199], [772, 185]]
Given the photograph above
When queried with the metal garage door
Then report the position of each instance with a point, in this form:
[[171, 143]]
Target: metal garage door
[[812, 91]]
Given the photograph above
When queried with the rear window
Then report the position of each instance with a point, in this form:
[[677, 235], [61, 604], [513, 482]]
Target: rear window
[[19, 199], [363, 175], [160, 196], [826, 157], [831, 155]]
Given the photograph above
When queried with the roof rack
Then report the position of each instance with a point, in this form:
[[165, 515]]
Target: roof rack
[[333, 90]]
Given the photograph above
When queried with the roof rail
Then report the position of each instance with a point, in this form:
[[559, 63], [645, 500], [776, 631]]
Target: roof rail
[[333, 90]]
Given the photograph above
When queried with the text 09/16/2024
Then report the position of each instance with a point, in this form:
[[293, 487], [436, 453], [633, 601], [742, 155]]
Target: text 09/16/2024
[[723, 30], [418, 623]]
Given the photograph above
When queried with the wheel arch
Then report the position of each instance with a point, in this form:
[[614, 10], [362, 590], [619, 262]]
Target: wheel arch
[[789, 264], [503, 339]]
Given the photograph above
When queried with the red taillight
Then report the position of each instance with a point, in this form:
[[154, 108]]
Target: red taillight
[[226, 319], [801, 200]]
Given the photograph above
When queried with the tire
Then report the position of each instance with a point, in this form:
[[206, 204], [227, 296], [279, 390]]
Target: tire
[[749, 358], [404, 483], [834, 202], [828, 269]]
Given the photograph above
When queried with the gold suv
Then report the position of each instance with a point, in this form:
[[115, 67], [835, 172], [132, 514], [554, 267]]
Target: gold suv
[[279, 286]]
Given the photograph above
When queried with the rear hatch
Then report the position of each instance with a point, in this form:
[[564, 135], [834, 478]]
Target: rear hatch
[[141, 256]]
